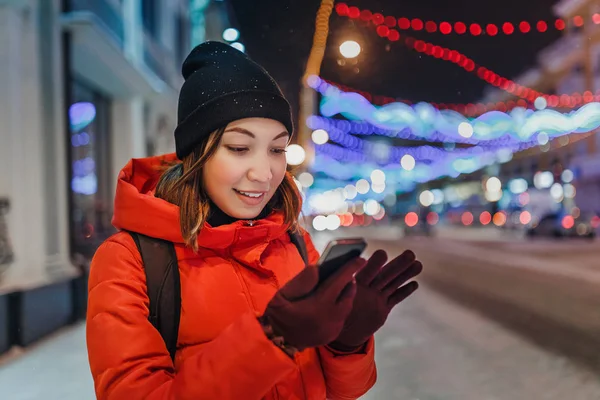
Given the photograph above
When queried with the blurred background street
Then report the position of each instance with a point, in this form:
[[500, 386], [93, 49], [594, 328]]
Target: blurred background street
[[466, 131], [495, 318]]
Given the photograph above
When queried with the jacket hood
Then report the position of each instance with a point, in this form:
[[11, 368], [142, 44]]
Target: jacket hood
[[137, 210]]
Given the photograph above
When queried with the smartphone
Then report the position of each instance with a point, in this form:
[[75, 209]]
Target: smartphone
[[337, 253]]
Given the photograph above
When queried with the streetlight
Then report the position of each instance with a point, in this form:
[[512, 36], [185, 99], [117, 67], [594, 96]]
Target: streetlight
[[350, 49]]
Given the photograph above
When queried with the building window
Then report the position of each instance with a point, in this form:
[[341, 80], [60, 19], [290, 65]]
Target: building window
[[90, 208], [150, 17]]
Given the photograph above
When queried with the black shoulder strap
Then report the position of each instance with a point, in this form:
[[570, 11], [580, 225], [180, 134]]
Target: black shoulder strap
[[298, 240], [164, 286]]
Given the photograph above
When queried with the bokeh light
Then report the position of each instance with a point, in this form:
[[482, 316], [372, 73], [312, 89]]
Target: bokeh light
[[411, 219], [295, 154]]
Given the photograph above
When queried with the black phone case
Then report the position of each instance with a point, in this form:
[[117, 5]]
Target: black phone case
[[329, 267]]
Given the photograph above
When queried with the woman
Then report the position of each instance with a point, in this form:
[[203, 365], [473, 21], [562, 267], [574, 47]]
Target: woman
[[255, 322]]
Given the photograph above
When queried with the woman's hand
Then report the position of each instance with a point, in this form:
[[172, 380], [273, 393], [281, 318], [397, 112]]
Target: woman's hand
[[309, 313], [378, 290]]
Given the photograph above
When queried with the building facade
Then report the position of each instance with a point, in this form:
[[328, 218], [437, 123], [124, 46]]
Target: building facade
[[85, 85]]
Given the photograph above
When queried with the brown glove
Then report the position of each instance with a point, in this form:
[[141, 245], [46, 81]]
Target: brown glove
[[379, 289], [308, 314]]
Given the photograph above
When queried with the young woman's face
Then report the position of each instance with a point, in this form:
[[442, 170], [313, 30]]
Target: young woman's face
[[245, 171]]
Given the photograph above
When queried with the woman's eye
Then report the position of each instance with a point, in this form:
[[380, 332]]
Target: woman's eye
[[237, 149], [279, 151]]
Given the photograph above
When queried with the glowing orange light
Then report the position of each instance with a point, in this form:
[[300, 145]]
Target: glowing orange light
[[499, 219]]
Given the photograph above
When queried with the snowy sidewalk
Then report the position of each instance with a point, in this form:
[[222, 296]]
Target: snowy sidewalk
[[56, 368]]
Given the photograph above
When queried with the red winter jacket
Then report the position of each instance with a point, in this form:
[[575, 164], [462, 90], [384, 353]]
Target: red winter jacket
[[222, 350]]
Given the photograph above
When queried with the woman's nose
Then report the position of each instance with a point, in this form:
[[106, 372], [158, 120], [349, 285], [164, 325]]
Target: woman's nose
[[260, 173]]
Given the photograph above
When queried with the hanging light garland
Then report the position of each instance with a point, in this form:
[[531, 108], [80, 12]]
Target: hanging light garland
[[469, 65], [461, 28], [420, 152], [351, 164], [469, 109], [316, 122], [384, 155], [364, 128], [424, 120]]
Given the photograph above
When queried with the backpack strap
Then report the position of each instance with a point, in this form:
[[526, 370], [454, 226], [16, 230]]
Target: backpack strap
[[163, 286], [298, 240]]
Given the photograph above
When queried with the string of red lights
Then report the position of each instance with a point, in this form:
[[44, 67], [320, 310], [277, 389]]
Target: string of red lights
[[421, 46], [459, 27]]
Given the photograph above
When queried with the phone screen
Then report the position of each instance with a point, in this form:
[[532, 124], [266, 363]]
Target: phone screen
[[337, 253]]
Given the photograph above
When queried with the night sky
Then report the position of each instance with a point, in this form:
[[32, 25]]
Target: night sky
[[278, 34]]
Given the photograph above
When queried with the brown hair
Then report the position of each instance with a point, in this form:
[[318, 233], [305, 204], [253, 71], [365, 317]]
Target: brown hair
[[181, 184]]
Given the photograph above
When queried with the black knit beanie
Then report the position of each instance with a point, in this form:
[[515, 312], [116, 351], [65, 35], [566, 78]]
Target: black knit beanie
[[223, 85]]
